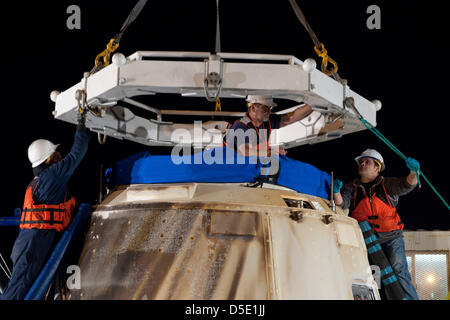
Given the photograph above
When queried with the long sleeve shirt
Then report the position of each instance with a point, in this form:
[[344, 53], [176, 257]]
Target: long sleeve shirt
[[52, 181]]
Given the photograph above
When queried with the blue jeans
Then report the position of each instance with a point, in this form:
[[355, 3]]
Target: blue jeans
[[395, 252]]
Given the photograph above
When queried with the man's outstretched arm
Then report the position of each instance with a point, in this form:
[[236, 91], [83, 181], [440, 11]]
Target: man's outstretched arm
[[296, 115]]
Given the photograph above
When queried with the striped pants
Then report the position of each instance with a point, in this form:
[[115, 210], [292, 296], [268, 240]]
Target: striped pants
[[395, 252]]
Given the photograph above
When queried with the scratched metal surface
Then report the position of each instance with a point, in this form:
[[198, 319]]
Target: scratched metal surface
[[161, 253], [230, 249]]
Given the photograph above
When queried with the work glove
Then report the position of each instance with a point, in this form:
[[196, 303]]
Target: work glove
[[413, 164], [337, 185]]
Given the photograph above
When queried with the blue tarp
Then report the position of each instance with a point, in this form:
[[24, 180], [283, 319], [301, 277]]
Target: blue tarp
[[219, 165], [304, 178]]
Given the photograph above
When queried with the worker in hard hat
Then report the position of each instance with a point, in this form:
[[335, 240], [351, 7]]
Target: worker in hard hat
[[47, 211], [250, 135], [374, 198]]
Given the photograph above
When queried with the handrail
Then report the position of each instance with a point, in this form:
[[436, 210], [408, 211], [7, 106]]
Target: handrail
[[138, 55], [45, 278]]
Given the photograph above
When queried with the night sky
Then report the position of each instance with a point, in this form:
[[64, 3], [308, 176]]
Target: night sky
[[403, 64]]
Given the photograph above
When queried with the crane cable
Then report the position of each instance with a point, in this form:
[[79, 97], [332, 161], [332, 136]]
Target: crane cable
[[113, 44], [319, 47], [81, 95]]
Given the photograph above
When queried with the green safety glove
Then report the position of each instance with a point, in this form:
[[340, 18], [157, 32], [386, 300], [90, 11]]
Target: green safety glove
[[413, 164], [337, 185]]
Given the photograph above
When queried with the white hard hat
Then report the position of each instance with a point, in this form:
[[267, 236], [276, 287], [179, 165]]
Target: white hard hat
[[40, 150], [265, 100], [374, 154]]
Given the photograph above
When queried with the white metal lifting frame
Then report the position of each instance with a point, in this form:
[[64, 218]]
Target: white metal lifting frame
[[202, 74]]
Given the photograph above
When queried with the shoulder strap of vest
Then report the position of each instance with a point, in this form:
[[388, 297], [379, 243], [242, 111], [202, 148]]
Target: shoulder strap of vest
[[247, 121], [356, 186], [387, 196], [354, 196], [67, 194], [269, 126]]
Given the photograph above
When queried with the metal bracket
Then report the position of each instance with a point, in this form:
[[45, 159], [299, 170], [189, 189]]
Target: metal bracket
[[213, 76], [327, 219]]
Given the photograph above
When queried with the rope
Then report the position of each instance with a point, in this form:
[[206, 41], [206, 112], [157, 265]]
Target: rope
[[348, 101], [397, 151], [389, 144]]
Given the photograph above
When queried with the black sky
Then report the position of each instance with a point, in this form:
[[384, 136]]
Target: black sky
[[404, 64]]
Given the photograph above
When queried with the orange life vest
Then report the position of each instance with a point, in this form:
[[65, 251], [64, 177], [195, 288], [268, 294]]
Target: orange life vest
[[382, 217], [246, 121], [46, 216]]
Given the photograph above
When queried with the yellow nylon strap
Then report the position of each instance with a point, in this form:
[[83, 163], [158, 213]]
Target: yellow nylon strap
[[218, 105]]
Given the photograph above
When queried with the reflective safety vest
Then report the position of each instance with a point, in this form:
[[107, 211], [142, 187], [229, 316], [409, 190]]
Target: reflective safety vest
[[45, 216], [246, 121], [382, 217]]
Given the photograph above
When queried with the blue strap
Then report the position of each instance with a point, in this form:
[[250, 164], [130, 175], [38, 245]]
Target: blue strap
[[365, 226], [390, 280], [370, 239], [386, 271], [374, 249]]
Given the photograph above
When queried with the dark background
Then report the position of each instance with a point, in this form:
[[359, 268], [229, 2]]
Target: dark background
[[404, 65]]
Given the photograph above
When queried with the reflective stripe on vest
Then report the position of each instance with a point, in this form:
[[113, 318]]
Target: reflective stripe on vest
[[45, 216], [382, 217]]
